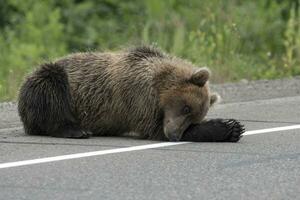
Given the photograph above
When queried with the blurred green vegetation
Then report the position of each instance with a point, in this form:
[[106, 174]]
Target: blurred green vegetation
[[237, 39]]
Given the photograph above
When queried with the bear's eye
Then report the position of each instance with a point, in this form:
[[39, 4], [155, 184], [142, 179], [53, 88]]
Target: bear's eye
[[186, 110]]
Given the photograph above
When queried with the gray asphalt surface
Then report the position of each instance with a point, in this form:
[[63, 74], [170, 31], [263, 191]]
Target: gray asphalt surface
[[262, 166]]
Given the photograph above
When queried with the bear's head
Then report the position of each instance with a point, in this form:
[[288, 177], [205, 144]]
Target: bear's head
[[186, 103]]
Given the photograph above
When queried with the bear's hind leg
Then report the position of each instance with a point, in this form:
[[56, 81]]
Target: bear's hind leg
[[45, 104]]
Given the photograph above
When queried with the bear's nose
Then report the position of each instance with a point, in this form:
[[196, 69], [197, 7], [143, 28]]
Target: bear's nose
[[173, 138]]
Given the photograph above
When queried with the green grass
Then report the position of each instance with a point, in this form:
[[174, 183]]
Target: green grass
[[236, 39]]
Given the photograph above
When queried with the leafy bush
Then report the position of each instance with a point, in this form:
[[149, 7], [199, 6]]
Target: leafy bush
[[236, 39]]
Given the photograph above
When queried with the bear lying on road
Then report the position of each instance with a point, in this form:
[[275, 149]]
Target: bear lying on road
[[141, 90]]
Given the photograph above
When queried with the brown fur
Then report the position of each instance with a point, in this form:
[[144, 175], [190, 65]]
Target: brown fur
[[140, 90]]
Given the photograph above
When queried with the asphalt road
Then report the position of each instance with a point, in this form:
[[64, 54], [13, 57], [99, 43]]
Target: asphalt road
[[260, 166]]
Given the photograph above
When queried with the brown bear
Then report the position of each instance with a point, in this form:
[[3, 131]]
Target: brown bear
[[140, 90]]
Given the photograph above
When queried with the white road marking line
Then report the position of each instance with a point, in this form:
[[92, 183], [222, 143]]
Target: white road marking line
[[88, 154], [276, 129], [125, 149]]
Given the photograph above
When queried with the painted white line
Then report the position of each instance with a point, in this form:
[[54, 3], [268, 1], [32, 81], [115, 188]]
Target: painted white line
[[88, 154], [268, 130], [125, 149]]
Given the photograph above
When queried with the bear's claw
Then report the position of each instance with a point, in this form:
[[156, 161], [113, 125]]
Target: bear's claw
[[73, 133], [235, 130]]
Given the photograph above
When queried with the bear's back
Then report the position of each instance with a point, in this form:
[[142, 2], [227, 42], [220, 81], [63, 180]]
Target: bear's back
[[111, 92]]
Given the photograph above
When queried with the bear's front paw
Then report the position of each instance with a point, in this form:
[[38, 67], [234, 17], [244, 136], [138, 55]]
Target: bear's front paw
[[215, 130]]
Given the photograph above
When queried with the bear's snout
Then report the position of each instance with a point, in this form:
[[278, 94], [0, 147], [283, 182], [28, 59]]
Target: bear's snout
[[174, 128], [174, 137]]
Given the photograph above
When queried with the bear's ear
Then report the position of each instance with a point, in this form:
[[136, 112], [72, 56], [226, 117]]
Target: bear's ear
[[200, 77], [214, 98]]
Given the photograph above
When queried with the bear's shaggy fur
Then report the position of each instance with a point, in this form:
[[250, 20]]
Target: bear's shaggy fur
[[141, 90]]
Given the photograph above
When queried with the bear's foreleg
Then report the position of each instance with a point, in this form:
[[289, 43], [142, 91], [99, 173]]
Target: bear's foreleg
[[215, 130]]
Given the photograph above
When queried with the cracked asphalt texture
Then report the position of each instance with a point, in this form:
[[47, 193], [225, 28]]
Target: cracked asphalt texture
[[262, 166]]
